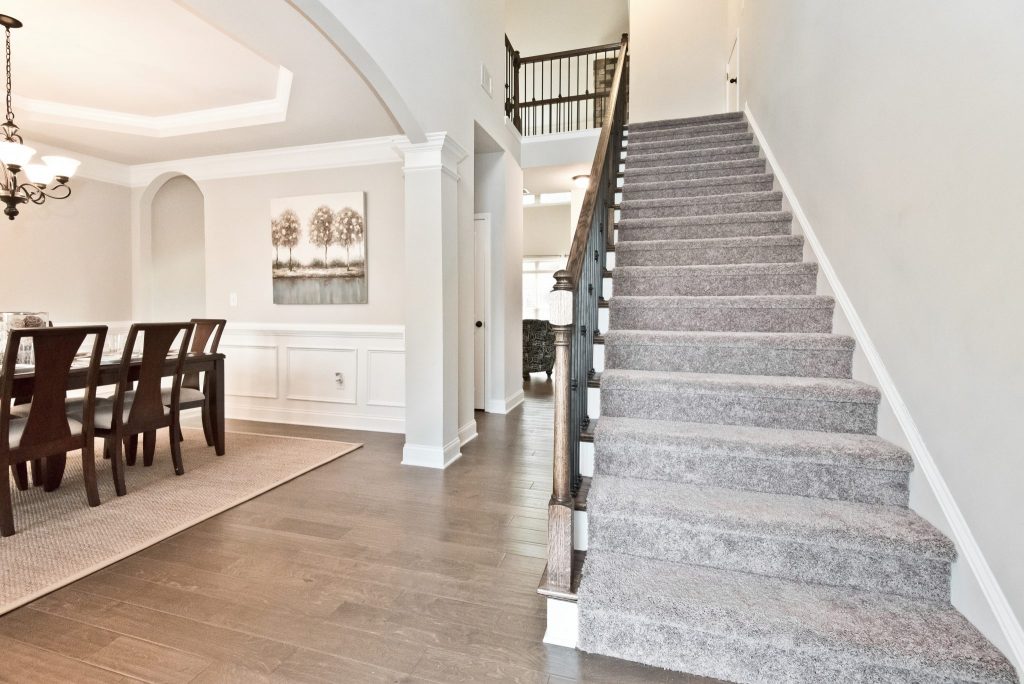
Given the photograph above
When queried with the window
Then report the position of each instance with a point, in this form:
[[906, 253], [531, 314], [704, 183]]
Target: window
[[538, 279]]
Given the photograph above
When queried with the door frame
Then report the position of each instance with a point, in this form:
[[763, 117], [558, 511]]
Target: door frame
[[482, 300], [735, 51]]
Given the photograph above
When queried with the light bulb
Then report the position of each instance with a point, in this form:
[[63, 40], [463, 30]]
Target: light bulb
[[15, 154], [62, 166], [40, 174], [582, 182]]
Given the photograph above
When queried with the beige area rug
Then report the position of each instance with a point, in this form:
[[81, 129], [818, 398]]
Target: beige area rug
[[60, 539]]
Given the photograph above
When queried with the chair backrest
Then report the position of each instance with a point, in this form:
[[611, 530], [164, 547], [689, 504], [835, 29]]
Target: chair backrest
[[55, 349], [205, 340], [158, 349]]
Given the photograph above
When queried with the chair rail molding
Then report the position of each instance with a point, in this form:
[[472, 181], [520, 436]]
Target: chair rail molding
[[967, 546], [329, 375]]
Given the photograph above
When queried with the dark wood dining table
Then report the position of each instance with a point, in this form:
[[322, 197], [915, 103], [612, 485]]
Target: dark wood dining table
[[212, 364]]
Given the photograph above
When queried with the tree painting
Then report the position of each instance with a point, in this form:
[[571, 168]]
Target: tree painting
[[321, 228], [308, 227], [285, 231], [348, 231]]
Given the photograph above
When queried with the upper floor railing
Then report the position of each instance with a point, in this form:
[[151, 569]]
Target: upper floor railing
[[559, 91], [574, 305]]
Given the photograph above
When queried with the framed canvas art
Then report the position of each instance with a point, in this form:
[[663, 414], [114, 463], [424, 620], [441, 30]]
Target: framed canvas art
[[319, 249]]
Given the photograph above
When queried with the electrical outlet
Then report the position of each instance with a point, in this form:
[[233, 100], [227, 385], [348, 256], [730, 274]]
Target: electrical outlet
[[339, 378], [233, 299]]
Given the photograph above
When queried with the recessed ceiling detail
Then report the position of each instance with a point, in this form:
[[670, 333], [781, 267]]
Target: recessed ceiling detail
[[254, 113]]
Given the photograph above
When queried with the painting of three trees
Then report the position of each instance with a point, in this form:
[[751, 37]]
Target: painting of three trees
[[319, 246]]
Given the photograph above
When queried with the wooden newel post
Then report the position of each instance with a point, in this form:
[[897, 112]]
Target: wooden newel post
[[517, 120], [560, 507]]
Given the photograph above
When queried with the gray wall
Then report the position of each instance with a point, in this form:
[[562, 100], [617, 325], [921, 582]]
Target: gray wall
[[70, 257], [179, 251]]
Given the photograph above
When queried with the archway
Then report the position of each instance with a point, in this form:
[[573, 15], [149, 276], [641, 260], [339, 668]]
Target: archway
[[177, 250]]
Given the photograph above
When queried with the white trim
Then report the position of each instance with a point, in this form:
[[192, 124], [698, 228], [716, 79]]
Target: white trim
[[467, 433], [505, 406], [563, 623], [426, 456], [967, 545], [482, 271], [439, 153], [369, 377], [288, 365], [362, 152], [579, 531], [255, 113], [305, 416]]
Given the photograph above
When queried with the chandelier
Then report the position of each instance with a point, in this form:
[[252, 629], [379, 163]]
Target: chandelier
[[38, 183]]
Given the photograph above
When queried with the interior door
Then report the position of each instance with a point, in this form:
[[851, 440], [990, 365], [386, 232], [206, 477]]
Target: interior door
[[732, 77], [481, 306]]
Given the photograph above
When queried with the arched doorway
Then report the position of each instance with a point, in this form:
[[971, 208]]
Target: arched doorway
[[177, 251]]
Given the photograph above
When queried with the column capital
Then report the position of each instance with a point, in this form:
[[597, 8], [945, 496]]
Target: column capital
[[439, 153]]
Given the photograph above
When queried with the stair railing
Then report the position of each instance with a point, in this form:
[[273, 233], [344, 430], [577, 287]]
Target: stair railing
[[574, 304], [558, 92]]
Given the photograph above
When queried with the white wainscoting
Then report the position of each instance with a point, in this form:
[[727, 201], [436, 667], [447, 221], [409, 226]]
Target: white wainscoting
[[344, 376]]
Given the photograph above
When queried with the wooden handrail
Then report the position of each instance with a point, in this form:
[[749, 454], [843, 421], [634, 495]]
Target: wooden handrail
[[571, 53], [586, 220], [573, 307]]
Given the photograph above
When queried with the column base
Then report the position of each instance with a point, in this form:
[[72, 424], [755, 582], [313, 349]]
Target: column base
[[425, 456]]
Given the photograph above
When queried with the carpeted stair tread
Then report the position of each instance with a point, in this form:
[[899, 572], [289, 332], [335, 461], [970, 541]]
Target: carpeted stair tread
[[708, 226], [761, 249], [660, 124], [686, 157], [640, 146], [706, 169], [707, 439], [740, 202], [788, 402], [717, 279], [740, 353], [839, 543], [736, 313], [694, 131], [761, 386], [698, 187], [752, 628]]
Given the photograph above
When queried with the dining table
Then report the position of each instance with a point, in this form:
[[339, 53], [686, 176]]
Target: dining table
[[110, 366]]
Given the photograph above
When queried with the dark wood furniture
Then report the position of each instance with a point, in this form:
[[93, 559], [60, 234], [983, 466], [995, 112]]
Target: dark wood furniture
[[538, 347], [130, 412], [47, 430], [195, 386]]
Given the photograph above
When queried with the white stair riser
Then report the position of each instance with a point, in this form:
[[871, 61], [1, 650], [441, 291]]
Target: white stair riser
[[587, 459], [594, 403], [579, 530], [563, 623], [599, 357], [602, 320]]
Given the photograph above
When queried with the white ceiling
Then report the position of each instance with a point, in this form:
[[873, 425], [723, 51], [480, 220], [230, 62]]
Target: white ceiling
[[540, 179], [114, 76]]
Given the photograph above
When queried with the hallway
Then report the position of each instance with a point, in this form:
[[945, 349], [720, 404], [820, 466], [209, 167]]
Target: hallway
[[362, 570]]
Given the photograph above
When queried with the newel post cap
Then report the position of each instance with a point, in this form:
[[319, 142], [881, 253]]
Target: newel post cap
[[560, 300]]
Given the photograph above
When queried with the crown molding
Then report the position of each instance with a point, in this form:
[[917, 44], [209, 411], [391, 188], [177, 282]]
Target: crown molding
[[255, 113], [440, 152], [362, 152]]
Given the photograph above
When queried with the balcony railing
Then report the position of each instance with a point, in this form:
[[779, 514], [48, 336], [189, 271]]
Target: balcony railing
[[559, 91]]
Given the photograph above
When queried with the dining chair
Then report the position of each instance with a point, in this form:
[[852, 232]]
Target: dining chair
[[46, 430], [130, 412], [195, 390]]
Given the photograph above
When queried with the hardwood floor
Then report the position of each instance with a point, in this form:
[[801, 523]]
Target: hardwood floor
[[363, 570]]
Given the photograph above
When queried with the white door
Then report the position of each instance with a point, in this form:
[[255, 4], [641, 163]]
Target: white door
[[732, 78], [481, 306]]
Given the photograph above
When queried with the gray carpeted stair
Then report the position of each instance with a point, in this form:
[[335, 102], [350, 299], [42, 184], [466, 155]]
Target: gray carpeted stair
[[745, 521], [826, 465]]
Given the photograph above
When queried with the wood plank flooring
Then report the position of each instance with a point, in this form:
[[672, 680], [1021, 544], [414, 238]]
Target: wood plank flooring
[[363, 570]]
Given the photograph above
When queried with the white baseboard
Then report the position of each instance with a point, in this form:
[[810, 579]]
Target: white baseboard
[[967, 545], [563, 623], [297, 416], [467, 433], [505, 406], [427, 456], [579, 530]]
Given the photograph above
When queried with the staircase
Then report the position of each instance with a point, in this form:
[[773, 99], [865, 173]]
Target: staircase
[[745, 522]]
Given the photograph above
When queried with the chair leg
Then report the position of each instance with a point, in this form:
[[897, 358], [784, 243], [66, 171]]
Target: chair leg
[[6, 508], [148, 447], [92, 492], [131, 449], [179, 468], [113, 444], [21, 475], [37, 473], [207, 424]]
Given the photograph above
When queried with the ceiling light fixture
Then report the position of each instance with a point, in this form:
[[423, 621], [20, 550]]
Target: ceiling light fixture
[[582, 181], [16, 156]]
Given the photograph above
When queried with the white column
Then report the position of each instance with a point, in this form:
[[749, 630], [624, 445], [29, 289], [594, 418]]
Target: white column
[[432, 301]]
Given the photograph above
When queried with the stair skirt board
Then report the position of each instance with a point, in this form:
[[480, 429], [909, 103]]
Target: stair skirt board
[[744, 520]]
